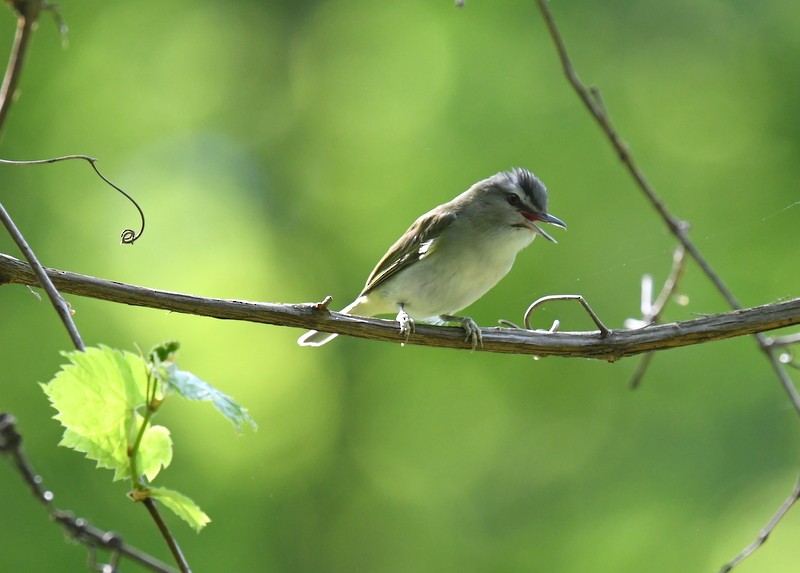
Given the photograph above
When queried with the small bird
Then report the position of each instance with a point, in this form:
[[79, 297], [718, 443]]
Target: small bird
[[452, 255]]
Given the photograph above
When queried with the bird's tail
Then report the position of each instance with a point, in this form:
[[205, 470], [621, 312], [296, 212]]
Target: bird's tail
[[317, 338]]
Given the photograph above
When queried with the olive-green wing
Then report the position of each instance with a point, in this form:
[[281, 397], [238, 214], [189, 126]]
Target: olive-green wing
[[418, 242]]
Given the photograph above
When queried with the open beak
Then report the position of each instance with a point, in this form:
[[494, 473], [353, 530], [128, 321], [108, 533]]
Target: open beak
[[546, 218]]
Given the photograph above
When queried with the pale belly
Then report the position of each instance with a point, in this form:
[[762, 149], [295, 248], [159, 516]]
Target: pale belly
[[443, 284]]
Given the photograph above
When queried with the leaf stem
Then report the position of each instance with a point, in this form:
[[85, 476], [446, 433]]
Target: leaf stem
[[133, 451], [137, 481], [172, 543]]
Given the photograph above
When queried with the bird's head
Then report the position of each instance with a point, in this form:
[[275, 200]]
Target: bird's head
[[519, 199]]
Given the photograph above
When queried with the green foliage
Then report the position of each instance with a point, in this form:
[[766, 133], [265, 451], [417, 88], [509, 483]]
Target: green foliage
[[97, 396], [286, 176], [182, 506], [193, 388], [154, 450], [106, 398]]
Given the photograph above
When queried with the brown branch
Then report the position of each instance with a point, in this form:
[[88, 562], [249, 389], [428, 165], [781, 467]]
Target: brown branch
[[617, 344], [78, 528]]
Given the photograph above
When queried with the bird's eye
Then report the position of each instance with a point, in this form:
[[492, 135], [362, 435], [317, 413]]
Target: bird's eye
[[514, 200]]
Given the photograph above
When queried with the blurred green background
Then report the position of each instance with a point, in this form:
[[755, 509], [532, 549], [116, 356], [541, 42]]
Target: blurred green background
[[278, 149]]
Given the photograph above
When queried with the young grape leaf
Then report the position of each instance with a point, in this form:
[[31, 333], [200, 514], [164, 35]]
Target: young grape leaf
[[96, 397], [193, 388], [182, 506], [155, 451]]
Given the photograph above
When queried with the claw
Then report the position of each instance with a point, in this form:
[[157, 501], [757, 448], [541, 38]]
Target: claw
[[406, 323], [473, 333], [470, 327]]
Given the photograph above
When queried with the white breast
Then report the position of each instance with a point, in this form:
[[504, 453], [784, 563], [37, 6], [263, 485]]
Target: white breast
[[448, 277]]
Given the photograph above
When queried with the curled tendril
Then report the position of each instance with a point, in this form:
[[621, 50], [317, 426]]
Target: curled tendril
[[128, 236], [604, 331]]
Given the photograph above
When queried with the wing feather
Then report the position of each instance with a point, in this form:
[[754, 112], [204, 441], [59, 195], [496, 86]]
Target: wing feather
[[418, 242]]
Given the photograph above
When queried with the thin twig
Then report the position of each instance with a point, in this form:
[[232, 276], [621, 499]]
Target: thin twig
[[641, 369], [177, 554], [784, 340], [786, 356], [27, 14], [598, 111], [62, 309], [764, 534], [670, 285], [604, 331], [78, 528], [651, 311]]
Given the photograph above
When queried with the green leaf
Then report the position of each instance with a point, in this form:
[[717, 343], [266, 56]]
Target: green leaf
[[182, 506], [96, 396], [193, 388], [155, 451], [164, 351]]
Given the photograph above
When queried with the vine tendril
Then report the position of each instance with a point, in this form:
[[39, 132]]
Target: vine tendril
[[128, 236]]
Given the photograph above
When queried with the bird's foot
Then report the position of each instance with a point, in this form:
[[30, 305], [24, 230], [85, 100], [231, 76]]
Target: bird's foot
[[406, 323], [470, 327]]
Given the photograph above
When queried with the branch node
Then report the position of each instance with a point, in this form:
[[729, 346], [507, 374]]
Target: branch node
[[112, 540], [597, 96]]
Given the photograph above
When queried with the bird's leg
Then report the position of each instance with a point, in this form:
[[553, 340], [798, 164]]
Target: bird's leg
[[406, 322], [470, 327]]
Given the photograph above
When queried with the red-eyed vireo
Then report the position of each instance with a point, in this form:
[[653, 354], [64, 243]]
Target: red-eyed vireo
[[453, 254]]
